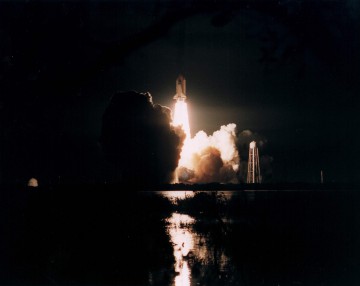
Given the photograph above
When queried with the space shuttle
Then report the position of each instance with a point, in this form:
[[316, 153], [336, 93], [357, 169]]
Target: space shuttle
[[180, 88]]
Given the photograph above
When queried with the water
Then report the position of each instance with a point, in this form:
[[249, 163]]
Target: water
[[192, 248], [264, 237], [180, 238]]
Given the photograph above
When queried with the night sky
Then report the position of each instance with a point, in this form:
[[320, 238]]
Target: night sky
[[289, 71]]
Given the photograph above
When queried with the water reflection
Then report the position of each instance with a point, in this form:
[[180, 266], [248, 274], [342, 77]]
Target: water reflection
[[254, 238], [197, 246], [182, 239], [257, 238], [173, 196]]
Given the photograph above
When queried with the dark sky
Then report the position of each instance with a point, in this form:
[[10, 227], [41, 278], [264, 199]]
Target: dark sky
[[287, 70]]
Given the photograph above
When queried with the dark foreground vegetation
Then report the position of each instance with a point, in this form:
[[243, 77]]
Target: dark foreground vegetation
[[281, 238], [107, 236], [267, 186], [83, 236]]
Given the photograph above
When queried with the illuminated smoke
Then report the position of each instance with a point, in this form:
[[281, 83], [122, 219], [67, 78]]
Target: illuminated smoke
[[213, 158], [209, 158]]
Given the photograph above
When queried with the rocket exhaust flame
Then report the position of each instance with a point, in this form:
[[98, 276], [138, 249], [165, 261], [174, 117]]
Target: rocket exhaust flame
[[181, 117]]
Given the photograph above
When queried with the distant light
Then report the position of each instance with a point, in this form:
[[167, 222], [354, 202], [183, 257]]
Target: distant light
[[252, 145], [33, 183]]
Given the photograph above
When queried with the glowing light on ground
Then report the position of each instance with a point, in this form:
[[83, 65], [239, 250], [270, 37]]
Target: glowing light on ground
[[33, 183]]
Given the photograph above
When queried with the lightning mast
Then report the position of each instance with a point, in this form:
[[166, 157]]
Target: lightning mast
[[253, 175]]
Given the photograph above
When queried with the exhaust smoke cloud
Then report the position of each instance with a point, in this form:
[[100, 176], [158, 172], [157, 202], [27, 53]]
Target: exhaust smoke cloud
[[146, 143], [206, 158]]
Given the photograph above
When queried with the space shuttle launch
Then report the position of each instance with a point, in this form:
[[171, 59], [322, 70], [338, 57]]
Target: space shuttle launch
[[180, 88], [203, 158]]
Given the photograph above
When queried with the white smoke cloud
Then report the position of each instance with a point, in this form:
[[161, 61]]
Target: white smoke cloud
[[210, 158]]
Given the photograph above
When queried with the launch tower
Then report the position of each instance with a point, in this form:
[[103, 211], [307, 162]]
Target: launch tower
[[253, 175]]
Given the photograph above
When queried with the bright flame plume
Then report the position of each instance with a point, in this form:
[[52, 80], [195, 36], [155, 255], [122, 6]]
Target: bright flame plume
[[181, 117]]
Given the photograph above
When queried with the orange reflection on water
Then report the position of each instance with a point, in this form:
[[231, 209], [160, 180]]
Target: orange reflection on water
[[184, 276], [182, 240], [176, 195]]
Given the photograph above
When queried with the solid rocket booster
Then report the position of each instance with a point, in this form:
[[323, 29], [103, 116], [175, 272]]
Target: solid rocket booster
[[180, 88]]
